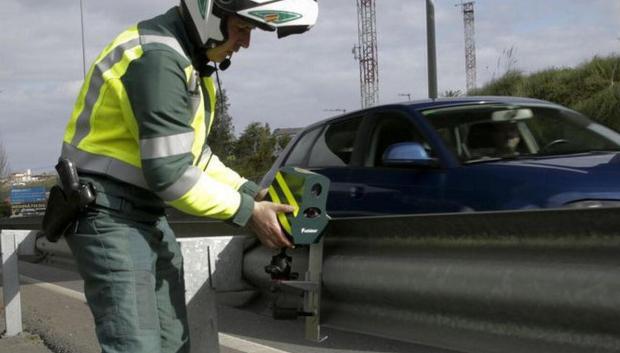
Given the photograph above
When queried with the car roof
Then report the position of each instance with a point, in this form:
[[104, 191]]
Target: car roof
[[436, 103]]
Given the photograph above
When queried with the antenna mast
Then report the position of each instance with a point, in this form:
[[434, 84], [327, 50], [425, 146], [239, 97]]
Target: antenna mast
[[470, 44], [366, 52]]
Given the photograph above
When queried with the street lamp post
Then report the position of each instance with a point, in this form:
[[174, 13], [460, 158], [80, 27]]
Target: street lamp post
[[83, 46], [431, 49]]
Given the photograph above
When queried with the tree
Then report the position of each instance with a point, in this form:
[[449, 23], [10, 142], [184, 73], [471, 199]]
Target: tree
[[252, 154], [282, 141], [254, 151], [222, 136], [452, 93]]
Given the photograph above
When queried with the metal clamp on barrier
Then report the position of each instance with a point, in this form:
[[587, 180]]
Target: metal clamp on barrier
[[307, 193]]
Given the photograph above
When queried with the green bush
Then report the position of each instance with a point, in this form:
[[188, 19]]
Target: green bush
[[507, 85], [603, 107]]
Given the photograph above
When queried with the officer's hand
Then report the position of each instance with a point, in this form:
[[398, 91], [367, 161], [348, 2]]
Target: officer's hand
[[264, 222], [261, 195]]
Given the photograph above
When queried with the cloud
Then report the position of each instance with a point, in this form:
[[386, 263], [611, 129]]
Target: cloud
[[287, 82]]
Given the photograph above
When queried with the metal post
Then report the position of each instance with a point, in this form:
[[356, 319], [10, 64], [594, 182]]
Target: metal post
[[312, 298], [431, 48], [83, 46], [10, 284]]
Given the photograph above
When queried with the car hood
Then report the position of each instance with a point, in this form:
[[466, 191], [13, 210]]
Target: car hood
[[584, 163], [551, 181]]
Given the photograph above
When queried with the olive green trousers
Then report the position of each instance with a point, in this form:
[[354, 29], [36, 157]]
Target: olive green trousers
[[132, 268]]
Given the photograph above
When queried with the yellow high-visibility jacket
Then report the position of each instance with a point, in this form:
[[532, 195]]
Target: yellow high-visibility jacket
[[143, 116]]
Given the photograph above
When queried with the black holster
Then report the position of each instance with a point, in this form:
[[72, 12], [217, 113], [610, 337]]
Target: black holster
[[65, 202]]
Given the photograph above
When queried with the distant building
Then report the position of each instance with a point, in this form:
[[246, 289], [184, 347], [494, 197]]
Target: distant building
[[22, 178], [26, 178]]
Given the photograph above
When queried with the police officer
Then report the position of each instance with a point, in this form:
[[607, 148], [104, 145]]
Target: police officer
[[137, 134]]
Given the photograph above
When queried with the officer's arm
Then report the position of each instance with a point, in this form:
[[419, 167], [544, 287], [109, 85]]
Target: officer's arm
[[156, 86], [218, 171]]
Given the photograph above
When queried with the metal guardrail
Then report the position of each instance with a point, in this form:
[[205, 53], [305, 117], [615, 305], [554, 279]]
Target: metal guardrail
[[21, 223], [526, 281]]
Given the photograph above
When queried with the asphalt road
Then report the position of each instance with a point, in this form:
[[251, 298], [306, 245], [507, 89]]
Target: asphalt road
[[24, 343], [54, 308]]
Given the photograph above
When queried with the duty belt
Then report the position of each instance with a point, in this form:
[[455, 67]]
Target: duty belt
[[128, 208], [139, 204]]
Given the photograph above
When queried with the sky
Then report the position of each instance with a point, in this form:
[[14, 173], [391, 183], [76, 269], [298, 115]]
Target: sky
[[294, 81]]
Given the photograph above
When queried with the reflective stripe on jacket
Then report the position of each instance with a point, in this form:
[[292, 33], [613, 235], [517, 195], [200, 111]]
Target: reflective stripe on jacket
[[143, 116]]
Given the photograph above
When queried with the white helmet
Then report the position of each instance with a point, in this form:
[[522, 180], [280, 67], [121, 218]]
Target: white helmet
[[284, 16]]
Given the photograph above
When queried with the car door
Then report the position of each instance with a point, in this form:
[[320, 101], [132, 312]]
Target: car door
[[377, 189]]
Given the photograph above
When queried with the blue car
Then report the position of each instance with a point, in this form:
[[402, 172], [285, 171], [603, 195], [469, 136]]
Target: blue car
[[459, 155]]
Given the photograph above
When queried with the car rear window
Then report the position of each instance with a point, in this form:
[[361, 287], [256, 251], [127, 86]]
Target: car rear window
[[334, 147], [299, 152]]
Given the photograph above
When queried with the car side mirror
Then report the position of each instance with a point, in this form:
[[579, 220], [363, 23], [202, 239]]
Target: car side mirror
[[408, 154]]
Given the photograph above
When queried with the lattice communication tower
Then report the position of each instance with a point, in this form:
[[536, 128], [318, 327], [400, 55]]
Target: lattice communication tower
[[366, 52], [470, 44]]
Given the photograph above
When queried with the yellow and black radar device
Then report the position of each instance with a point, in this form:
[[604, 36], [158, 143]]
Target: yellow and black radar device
[[307, 193]]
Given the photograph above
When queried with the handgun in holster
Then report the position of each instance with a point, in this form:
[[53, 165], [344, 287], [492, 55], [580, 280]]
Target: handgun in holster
[[66, 201]]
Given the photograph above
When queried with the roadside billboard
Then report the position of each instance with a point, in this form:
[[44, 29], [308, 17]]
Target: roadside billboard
[[28, 201]]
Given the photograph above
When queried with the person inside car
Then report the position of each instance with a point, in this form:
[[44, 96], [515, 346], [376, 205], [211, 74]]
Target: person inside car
[[493, 139], [506, 139]]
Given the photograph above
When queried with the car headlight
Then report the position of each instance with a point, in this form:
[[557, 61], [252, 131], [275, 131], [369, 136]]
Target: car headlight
[[594, 204]]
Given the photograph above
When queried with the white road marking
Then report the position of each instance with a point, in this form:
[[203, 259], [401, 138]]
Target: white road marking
[[54, 288], [246, 346]]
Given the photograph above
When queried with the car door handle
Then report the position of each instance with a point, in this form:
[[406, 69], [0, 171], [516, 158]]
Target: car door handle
[[357, 192]]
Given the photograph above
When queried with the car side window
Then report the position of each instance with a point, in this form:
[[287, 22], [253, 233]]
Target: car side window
[[334, 148], [390, 129], [300, 151]]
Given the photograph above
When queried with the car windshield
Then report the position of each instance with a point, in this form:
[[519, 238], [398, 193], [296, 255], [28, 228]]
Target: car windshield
[[485, 132]]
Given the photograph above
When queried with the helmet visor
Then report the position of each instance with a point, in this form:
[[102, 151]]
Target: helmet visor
[[286, 16]]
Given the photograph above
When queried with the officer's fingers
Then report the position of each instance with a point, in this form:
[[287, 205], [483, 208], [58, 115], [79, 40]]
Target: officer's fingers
[[277, 231], [266, 240], [267, 227], [283, 239], [279, 208]]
